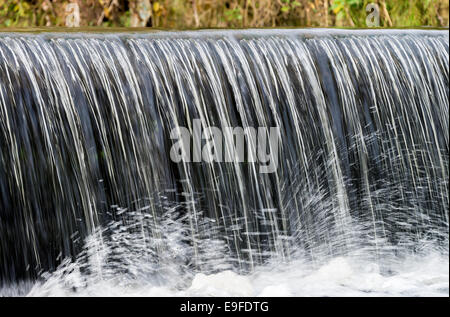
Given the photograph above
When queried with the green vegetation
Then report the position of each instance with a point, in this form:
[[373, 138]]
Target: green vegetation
[[223, 13]]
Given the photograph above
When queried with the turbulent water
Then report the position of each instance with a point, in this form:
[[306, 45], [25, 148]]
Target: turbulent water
[[92, 204]]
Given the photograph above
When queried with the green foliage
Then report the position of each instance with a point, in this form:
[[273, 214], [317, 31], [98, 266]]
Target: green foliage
[[125, 19], [15, 12], [289, 5], [227, 13], [233, 15], [415, 12]]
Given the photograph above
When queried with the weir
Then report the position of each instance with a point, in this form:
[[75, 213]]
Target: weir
[[85, 122]]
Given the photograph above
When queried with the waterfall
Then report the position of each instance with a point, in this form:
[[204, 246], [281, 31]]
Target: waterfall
[[85, 123]]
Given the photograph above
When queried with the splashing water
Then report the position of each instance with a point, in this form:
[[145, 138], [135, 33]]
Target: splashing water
[[91, 204]]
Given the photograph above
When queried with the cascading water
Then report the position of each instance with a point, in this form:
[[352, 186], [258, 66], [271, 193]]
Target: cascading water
[[89, 195]]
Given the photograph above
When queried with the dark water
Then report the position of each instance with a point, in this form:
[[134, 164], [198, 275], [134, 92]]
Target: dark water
[[84, 136]]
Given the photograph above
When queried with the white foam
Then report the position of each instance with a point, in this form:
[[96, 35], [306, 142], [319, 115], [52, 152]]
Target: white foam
[[341, 276], [226, 283]]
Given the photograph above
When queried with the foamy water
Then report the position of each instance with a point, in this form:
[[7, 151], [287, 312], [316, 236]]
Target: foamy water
[[342, 276], [117, 262]]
